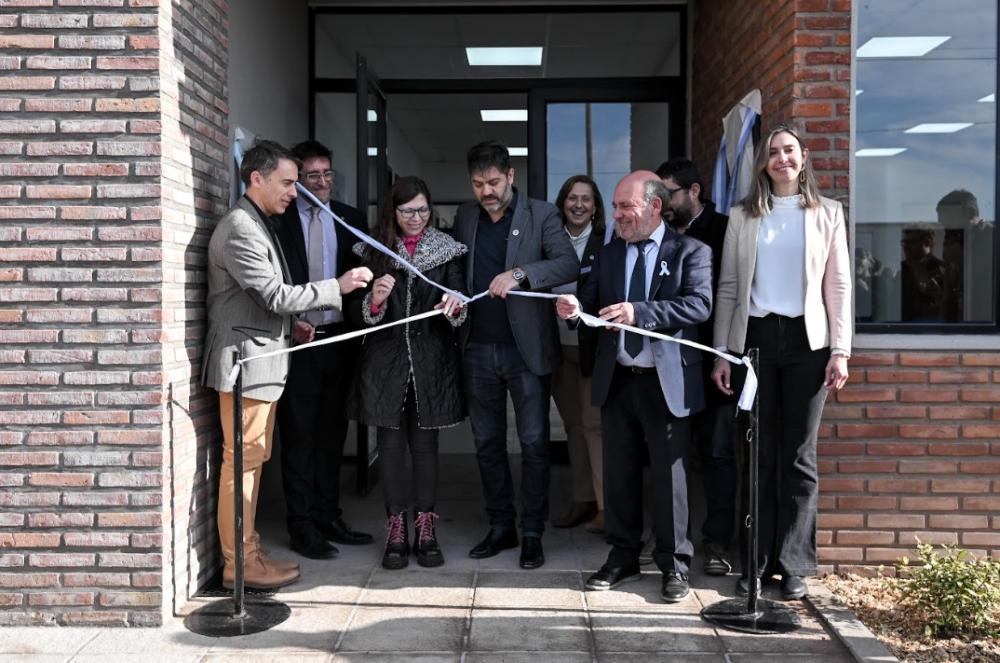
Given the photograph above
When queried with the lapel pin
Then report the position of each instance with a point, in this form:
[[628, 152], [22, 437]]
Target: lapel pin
[[663, 268], [515, 232]]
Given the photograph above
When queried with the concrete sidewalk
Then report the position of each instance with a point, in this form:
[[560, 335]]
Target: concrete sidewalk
[[350, 609]]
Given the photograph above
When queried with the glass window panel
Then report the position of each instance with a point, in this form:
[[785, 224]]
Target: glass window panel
[[619, 137], [926, 150]]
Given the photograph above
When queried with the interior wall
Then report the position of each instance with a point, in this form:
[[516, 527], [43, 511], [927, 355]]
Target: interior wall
[[268, 69]]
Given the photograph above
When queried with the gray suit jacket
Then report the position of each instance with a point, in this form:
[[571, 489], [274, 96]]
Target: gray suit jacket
[[247, 290], [538, 245], [680, 298]]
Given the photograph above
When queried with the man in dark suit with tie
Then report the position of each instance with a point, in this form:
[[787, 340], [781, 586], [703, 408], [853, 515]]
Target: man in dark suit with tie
[[311, 414], [510, 344], [712, 428], [657, 280]]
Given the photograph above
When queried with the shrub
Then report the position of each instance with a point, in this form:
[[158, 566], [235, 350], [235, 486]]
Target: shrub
[[956, 593]]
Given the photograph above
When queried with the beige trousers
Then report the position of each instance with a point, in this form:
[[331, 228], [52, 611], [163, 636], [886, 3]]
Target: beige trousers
[[258, 430], [582, 420]]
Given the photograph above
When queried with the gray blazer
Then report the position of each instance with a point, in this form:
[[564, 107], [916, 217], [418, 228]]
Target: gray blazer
[[247, 290], [538, 245]]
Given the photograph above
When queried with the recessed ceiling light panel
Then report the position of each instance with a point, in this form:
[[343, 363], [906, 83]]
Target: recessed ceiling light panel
[[899, 47], [988, 99], [517, 151], [504, 115], [504, 56], [938, 127], [879, 151]]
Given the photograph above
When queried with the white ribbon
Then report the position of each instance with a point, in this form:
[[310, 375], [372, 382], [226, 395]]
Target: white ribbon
[[749, 385]]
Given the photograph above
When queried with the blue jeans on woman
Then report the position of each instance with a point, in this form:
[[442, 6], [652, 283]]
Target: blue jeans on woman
[[491, 371]]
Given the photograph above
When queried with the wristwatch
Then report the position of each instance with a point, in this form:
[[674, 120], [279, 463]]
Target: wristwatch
[[518, 274]]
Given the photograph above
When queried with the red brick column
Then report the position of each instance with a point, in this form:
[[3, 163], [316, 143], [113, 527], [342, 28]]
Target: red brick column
[[105, 442]]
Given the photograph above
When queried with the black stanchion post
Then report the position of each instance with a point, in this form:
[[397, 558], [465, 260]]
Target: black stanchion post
[[755, 615], [237, 616]]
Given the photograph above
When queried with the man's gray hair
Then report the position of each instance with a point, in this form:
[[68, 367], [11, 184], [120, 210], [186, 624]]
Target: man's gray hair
[[655, 188]]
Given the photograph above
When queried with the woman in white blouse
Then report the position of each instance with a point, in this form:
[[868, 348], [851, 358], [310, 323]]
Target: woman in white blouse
[[785, 288]]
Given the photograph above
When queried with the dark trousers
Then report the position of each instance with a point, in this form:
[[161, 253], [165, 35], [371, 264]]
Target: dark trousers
[[713, 442], [491, 371], [313, 427], [792, 395], [423, 451], [634, 420]]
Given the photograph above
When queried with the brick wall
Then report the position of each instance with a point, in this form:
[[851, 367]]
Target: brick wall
[[194, 47], [911, 449], [797, 53], [81, 382]]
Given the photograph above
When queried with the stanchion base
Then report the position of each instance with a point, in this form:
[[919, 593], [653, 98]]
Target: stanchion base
[[216, 619], [771, 616]]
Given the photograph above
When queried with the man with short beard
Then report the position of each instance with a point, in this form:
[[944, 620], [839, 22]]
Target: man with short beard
[[510, 344], [712, 428]]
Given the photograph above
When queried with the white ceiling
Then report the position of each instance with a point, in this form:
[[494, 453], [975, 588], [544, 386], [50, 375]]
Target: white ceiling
[[432, 45]]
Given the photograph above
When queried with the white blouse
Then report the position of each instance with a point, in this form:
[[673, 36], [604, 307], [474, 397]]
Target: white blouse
[[779, 279]]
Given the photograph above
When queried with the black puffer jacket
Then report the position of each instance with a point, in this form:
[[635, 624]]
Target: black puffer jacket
[[426, 348]]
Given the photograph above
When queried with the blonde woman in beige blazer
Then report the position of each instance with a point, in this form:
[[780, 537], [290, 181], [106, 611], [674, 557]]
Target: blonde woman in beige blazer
[[785, 288]]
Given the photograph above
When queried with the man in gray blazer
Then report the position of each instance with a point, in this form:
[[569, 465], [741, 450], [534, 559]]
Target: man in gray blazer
[[655, 279], [510, 344], [250, 303]]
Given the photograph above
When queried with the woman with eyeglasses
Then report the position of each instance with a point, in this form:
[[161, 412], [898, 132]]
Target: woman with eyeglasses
[[409, 379], [785, 288], [582, 208]]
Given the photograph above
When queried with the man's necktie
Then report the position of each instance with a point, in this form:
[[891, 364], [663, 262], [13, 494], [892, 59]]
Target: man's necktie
[[317, 260], [637, 293]]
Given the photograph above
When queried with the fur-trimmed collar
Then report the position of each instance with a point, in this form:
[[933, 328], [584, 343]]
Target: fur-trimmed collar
[[434, 249]]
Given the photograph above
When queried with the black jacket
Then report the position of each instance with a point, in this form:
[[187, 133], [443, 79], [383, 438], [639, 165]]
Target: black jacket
[[710, 228], [293, 242], [426, 349]]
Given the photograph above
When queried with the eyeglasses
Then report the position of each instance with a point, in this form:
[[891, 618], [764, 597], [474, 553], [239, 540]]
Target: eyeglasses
[[413, 212], [671, 192], [314, 176]]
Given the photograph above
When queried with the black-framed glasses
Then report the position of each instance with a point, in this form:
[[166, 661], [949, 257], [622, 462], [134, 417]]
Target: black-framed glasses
[[671, 192], [316, 175], [413, 212]]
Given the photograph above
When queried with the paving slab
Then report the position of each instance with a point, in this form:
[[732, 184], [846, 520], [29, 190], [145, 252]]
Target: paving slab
[[644, 631], [391, 629], [540, 588], [526, 630]]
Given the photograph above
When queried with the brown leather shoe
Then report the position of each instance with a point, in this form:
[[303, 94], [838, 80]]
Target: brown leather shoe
[[596, 524], [579, 513], [258, 575]]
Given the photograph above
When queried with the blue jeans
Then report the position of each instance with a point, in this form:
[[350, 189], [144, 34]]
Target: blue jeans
[[491, 370]]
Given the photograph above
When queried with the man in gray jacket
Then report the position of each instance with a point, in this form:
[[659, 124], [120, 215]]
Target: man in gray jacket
[[510, 344], [250, 303]]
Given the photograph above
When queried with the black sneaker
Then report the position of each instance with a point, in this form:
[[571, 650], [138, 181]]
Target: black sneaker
[[397, 548], [675, 587], [425, 545]]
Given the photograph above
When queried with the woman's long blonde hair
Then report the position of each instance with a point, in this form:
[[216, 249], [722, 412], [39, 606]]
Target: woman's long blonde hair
[[758, 200]]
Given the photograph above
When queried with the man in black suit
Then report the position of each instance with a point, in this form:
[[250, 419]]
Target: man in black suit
[[311, 413], [510, 344], [655, 279], [712, 427]]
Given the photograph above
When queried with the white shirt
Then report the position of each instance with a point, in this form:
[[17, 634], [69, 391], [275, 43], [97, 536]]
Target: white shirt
[[652, 250], [329, 247], [779, 278], [569, 336]]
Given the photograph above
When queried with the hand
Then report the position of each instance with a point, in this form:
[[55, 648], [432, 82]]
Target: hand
[[502, 284], [303, 332], [451, 304], [568, 307], [836, 372], [353, 279], [381, 289], [721, 373], [623, 313]]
